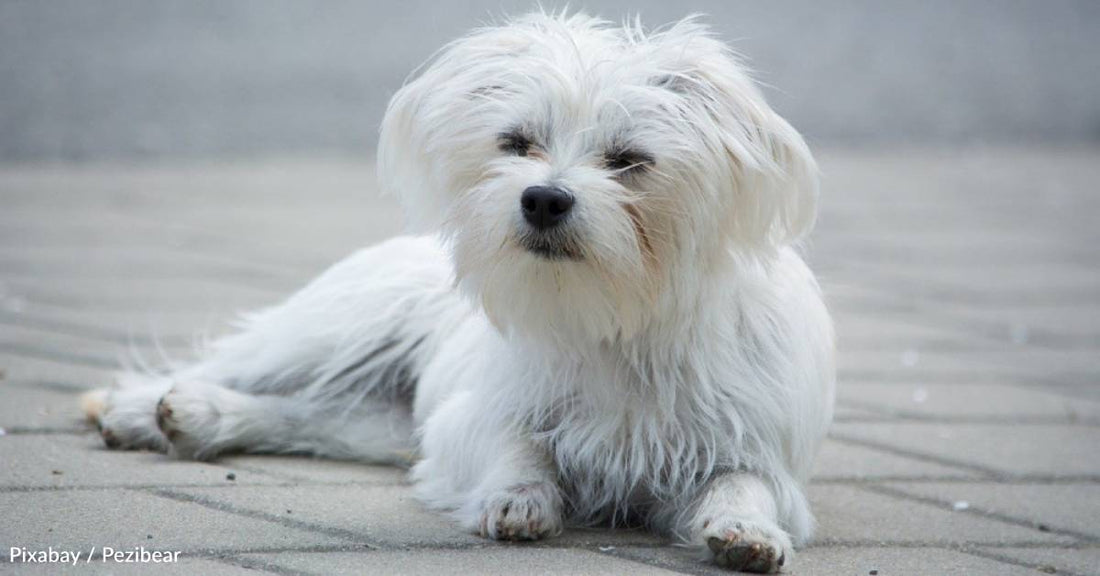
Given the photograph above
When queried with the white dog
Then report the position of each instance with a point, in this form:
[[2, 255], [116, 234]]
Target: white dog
[[607, 324]]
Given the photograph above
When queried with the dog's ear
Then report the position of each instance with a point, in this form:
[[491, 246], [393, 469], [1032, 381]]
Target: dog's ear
[[436, 129], [404, 167], [773, 176]]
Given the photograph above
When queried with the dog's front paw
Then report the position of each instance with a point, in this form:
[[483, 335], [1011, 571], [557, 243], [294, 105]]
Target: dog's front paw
[[190, 415], [523, 512], [747, 545]]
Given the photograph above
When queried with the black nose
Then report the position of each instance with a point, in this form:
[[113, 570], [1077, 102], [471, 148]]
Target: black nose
[[545, 207]]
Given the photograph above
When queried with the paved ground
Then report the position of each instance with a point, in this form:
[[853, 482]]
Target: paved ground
[[966, 287]]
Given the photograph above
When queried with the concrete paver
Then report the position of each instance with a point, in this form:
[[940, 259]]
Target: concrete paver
[[1085, 561], [849, 514], [28, 406], [825, 561], [184, 567], [378, 514], [1036, 449], [81, 461], [50, 366], [840, 461], [313, 470], [855, 560], [124, 519], [1072, 506], [493, 561], [974, 401]]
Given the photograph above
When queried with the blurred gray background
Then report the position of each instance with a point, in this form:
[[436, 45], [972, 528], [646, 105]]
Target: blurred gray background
[[100, 79]]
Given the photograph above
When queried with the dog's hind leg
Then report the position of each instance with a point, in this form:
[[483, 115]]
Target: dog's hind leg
[[125, 414], [202, 420], [352, 342]]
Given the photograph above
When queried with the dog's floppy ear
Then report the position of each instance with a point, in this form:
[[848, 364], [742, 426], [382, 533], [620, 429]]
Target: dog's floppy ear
[[404, 168], [438, 124], [771, 171]]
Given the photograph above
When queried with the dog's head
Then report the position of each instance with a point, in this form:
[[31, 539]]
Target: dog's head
[[589, 177]]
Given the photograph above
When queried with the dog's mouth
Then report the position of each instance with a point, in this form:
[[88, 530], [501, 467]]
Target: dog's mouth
[[550, 248]]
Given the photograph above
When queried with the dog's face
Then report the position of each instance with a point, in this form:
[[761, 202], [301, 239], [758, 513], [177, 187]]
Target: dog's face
[[590, 177]]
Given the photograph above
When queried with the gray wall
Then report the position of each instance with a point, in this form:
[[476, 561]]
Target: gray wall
[[100, 79]]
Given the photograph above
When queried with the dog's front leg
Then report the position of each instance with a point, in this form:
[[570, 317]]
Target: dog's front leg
[[736, 519], [528, 509], [489, 472]]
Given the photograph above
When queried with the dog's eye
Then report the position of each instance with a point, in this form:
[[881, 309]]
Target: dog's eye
[[514, 143], [627, 161]]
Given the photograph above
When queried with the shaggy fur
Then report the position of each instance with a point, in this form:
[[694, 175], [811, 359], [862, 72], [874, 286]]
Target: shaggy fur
[[663, 357]]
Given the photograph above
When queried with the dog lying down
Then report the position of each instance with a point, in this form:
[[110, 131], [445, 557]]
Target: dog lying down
[[603, 319]]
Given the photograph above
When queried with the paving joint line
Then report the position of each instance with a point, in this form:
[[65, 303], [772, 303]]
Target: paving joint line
[[340, 533], [989, 555], [68, 358], [1021, 480], [844, 438], [255, 564], [979, 512], [888, 413], [945, 544], [52, 385], [43, 431], [90, 332], [916, 418], [283, 483]]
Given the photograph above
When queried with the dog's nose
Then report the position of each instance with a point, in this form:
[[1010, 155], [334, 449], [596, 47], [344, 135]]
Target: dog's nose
[[545, 206]]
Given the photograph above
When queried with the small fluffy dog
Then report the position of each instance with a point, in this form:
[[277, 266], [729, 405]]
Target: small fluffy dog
[[607, 322]]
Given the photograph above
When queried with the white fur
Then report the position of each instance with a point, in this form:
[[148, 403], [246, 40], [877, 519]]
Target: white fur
[[677, 371]]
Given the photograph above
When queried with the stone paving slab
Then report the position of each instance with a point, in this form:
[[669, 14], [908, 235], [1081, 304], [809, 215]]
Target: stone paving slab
[[1041, 366], [385, 515], [496, 561], [185, 567], [120, 231], [115, 264], [92, 350], [865, 328], [1072, 507], [986, 280], [81, 461], [834, 560], [139, 297], [51, 366], [974, 401], [1074, 321], [315, 471], [27, 406], [917, 561], [931, 365], [844, 413], [840, 461], [378, 514], [144, 331], [1032, 450], [80, 519], [1083, 561], [854, 515]]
